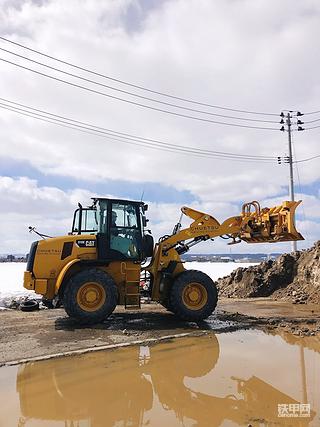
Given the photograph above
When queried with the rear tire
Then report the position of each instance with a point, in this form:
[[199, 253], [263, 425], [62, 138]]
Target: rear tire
[[193, 296], [90, 296]]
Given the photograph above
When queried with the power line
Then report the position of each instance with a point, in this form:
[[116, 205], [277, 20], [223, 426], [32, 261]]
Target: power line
[[134, 103], [145, 145], [312, 121], [306, 114], [135, 85], [163, 145], [306, 160], [313, 127], [134, 94], [123, 134], [132, 141]]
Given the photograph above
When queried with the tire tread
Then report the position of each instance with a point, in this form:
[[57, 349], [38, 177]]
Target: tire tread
[[176, 302], [70, 300]]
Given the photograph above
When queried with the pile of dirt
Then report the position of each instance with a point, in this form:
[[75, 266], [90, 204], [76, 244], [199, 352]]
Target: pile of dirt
[[292, 277]]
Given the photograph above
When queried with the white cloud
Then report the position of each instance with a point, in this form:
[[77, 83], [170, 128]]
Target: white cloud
[[50, 210], [26, 204]]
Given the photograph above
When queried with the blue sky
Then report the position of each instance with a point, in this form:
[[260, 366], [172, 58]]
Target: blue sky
[[153, 192]]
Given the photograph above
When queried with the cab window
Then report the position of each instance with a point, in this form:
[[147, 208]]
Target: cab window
[[124, 231], [88, 223]]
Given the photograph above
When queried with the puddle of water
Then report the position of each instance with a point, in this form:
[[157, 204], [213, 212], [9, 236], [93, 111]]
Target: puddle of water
[[232, 379]]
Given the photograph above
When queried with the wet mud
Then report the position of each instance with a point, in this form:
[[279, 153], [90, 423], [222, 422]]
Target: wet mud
[[47, 332], [244, 378]]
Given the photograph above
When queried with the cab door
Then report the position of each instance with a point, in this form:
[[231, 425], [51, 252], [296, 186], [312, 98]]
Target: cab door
[[125, 230]]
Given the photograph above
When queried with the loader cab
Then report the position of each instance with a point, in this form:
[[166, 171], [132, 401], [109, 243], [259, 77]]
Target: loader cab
[[119, 228]]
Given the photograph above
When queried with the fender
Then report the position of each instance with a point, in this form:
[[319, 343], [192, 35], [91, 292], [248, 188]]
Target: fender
[[63, 273]]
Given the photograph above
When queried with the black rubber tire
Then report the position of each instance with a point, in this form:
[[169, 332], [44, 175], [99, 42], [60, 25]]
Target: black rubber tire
[[166, 304], [47, 303], [176, 300], [52, 303], [71, 305], [29, 305]]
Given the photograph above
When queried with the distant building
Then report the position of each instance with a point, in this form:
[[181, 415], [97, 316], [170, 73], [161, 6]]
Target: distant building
[[226, 259], [12, 258]]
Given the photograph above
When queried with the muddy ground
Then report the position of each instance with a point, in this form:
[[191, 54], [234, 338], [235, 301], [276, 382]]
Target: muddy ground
[[46, 332]]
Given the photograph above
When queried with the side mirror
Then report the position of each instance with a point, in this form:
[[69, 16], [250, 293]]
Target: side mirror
[[147, 246], [144, 221]]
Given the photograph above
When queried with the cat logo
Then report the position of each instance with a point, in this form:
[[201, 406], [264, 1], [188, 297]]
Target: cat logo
[[86, 243]]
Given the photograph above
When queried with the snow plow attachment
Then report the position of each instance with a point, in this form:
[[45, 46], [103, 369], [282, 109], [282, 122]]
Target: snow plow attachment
[[267, 225]]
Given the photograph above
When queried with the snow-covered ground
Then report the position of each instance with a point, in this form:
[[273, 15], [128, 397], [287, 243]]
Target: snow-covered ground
[[216, 269], [11, 276], [11, 281]]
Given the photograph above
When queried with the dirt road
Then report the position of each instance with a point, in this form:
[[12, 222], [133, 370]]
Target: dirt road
[[45, 332]]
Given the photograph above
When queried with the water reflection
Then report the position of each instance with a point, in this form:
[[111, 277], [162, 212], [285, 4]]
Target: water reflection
[[143, 386]]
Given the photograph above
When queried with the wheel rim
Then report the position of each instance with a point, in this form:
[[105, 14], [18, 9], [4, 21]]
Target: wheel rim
[[194, 296], [91, 296]]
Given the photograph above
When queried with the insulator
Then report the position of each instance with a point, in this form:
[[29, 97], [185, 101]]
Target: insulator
[[300, 128], [282, 128], [282, 114], [281, 122], [299, 113], [299, 122]]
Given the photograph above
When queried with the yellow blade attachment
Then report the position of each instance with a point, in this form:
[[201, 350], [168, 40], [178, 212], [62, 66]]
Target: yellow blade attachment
[[267, 225]]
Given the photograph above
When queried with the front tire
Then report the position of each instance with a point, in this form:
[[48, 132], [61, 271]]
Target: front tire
[[193, 296], [90, 296], [167, 305]]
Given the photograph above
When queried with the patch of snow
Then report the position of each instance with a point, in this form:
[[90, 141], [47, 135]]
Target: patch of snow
[[216, 270], [11, 282]]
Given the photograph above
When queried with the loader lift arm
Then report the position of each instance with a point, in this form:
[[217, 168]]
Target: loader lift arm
[[253, 225]]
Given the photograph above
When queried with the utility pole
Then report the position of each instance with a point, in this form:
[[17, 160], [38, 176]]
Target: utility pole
[[289, 160], [291, 183]]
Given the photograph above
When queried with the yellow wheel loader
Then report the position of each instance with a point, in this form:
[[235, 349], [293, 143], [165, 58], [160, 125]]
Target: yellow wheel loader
[[100, 263]]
